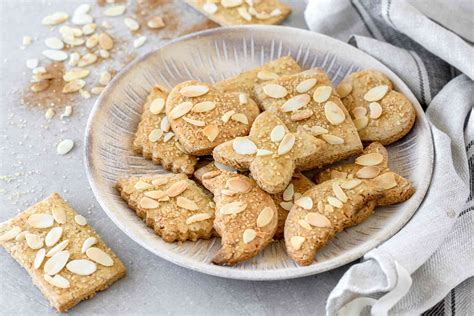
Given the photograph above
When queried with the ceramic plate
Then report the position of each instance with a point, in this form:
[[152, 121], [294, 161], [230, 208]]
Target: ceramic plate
[[211, 56]]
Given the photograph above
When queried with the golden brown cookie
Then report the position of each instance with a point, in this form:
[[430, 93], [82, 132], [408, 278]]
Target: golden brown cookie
[[237, 12], [372, 163], [271, 152], [325, 210], [308, 102], [154, 138], [246, 217], [203, 117], [380, 113], [65, 257], [175, 207]]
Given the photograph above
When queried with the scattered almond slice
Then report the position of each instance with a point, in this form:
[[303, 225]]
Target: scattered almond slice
[[105, 41], [277, 133], [244, 146], [289, 192], [334, 202], [241, 118], [177, 188], [180, 110], [40, 86], [56, 263], [359, 111], [186, 203], [339, 193], [295, 103], [211, 132], [209, 7], [368, 172], [375, 110], [157, 106], [361, 122], [99, 256], [55, 18], [227, 115], [265, 217], [275, 91], [86, 60], [231, 3], [104, 78], [204, 106], [238, 184], [165, 124], [59, 247], [168, 136], [54, 43], [304, 224], [74, 86], [131, 24], [57, 281], [39, 258], [156, 23], [376, 93], [75, 73], [89, 242], [386, 180], [343, 89], [197, 218], [53, 236], [10, 234], [157, 195], [350, 184], [305, 202], [243, 99], [81, 267], [371, 159], [286, 205], [334, 114], [80, 220], [139, 42], [286, 144], [147, 203], [297, 242], [318, 130], [267, 75], [115, 10], [40, 220], [194, 91], [56, 55], [301, 115], [305, 85], [263, 152], [332, 139], [233, 208], [194, 122], [155, 135], [322, 93], [142, 185], [244, 13], [317, 220], [249, 235]]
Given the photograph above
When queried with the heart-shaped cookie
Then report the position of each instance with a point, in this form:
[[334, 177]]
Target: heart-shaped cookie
[[203, 117]]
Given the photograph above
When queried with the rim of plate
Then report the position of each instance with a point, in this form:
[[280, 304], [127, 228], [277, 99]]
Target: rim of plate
[[259, 275]]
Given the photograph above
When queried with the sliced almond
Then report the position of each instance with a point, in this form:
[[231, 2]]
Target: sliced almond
[[305, 202], [267, 75], [320, 206], [277, 133], [147, 203], [89, 28], [76, 73], [155, 194], [204, 106], [53, 236], [89, 242], [74, 86], [276, 12], [41, 220], [39, 258], [92, 41], [156, 23], [177, 188], [131, 24], [289, 192], [99, 256], [53, 43], [322, 93], [361, 122], [160, 181], [386, 180], [168, 136], [80, 220], [233, 208], [275, 91], [155, 135], [332, 139], [375, 110], [10, 234], [359, 111], [334, 114], [56, 55], [339, 193], [241, 118], [350, 184], [40, 86], [231, 3], [64, 146], [105, 41], [304, 224], [376, 93], [295, 103], [238, 184], [317, 220], [115, 10], [243, 99], [265, 217], [81, 267], [57, 281], [165, 124], [335, 202], [306, 85], [194, 91], [297, 242], [245, 15], [194, 122], [197, 218], [180, 110], [368, 172], [343, 89], [55, 18], [139, 42], [105, 78], [186, 203], [86, 60], [244, 146], [249, 235], [286, 144], [59, 247], [141, 185], [264, 152], [369, 159], [318, 130], [227, 115], [286, 205], [211, 132], [56, 263], [301, 115]]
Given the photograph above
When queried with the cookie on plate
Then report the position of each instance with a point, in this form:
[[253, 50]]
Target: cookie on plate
[[65, 257], [237, 12], [175, 207], [246, 217], [372, 163], [325, 210], [203, 116], [155, 140], [307, 102], [380, 113], [271, 152]]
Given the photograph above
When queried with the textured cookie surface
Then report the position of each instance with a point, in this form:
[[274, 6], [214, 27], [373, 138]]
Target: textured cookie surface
[[307, 102], [237, 12], [380, 113], [202, 116], [155, 140], [246, 217], [175, 207], [271, 152], [65, 257]]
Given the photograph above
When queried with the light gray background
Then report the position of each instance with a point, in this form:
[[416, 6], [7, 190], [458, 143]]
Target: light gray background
[[30, 170]]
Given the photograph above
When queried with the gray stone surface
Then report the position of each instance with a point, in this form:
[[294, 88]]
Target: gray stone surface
[[30, 169]]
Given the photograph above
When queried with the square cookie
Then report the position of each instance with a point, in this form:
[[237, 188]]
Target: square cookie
[[65, 257]]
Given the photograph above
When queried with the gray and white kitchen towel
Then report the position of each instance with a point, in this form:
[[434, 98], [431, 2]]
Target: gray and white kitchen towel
[[429, 44]]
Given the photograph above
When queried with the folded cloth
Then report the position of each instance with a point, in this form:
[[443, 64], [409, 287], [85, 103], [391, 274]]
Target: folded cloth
[[428, 46]]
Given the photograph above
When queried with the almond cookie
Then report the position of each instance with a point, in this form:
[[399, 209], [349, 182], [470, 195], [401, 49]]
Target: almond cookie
[[323, 211], [380, 113], [271, 152], [372, 163], [246, 217], [203, 117], [65, 257], [155, 140], [237, 12], [308, 102], [175, 207]]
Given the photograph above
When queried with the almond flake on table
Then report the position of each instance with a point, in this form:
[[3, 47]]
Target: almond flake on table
[[156, 23], [54, 43], [115, 10], [56, 55], [49, 113], [82, 19], [67, 111], [131, 24], [104, 78], [26, 40], [55, 18], [82, 9], [139, 41], [64, 146], [88, 29], [32, 63]]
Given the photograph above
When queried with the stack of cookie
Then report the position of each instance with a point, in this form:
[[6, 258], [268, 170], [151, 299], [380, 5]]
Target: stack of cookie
[[263, 128]]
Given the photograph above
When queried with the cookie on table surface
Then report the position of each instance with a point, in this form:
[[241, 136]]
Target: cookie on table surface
[[380, 113], [325, 210], [307, 102], [246, 217], [238, 12], [202, 116], [175, 207], [155, 140], [65, 257], [271, 152], [372, 163]]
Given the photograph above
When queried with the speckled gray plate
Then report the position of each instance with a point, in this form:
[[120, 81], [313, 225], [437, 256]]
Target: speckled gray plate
[[211, 56]]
